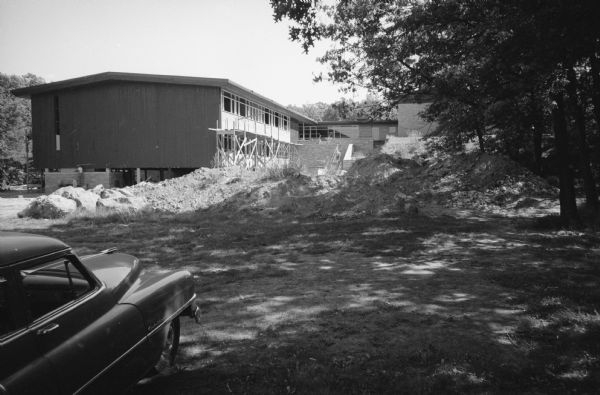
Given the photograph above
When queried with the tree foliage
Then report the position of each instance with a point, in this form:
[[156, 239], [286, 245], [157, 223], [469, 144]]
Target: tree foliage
[[15, 126], [348, 109], [519, 77]]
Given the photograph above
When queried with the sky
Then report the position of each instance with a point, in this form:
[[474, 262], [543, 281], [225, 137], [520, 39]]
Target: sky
[[234, 39]]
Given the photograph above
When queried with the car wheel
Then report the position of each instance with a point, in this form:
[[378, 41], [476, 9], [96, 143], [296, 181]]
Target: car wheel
[[170, 347]]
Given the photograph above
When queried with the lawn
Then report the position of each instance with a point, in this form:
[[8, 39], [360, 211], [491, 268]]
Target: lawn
[[398, 303]]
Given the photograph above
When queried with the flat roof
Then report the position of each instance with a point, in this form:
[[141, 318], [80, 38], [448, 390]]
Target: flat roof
[[359, 122], [111, 76]]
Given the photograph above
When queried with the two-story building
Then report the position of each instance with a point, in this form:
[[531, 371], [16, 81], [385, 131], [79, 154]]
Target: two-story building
[[120, 128]]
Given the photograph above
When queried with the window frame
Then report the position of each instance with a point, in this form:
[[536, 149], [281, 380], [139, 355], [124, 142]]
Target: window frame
[[244, 107], [66, 258], [21, 308]]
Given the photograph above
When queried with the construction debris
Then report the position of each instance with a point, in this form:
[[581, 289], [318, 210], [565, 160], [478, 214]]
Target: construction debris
[[51, 206], [377, 184]]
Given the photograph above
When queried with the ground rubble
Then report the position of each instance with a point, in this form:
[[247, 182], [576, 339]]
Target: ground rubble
[[376, 184]]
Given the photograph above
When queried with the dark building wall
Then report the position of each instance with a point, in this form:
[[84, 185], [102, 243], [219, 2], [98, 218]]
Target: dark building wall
[[126, 125]]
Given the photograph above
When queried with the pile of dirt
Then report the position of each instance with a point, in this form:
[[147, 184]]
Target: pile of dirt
[[231, 188], [486, 182], [200, 189], [68, 200], [374, 185]]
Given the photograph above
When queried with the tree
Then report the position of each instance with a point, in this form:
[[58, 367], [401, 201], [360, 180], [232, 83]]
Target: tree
[[15, 124], [499, 71], [347, 109]]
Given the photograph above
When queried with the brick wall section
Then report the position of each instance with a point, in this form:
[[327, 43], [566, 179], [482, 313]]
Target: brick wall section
[[314, 155], [364, 146], [348, 164], [91, 179], [53, 180]]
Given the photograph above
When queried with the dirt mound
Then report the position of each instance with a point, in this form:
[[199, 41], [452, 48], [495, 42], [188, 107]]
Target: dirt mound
[[374, 185], [484, 181], [199, 189], [485, 172], [232, 189]]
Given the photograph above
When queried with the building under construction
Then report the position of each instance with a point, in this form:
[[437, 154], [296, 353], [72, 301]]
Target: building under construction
[[121, 128]]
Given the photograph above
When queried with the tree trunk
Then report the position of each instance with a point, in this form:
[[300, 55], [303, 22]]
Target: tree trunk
[[595, 63], [480, 131], [537, 118], [568, 205], [589, 185], [537, 148]]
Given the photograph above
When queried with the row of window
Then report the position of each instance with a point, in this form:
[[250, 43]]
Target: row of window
[[237, 105]]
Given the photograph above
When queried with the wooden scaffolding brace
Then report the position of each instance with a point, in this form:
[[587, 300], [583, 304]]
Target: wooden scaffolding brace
[[240, 148]]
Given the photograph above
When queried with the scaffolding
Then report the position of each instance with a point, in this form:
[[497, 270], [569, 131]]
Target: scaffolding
[[240, 148]]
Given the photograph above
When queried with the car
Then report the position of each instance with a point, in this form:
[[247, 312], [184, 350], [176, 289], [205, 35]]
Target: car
[[95, 324]]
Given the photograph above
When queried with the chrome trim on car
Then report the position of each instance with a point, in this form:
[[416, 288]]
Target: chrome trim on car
[[27, 261], [169, 318], [111, 365], [103, 252], [135, 345]]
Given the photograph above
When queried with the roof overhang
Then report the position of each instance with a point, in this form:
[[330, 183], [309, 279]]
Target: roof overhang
[[112, 76]]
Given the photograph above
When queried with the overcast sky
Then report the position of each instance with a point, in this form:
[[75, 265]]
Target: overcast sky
[[234, 39]]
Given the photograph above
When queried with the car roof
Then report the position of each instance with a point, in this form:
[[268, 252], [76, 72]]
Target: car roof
[[16, 247]]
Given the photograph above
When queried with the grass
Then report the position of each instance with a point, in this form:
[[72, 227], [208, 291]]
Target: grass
[[370, 304]]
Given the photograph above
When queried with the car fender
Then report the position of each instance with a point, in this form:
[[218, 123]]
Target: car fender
[[160, 296]]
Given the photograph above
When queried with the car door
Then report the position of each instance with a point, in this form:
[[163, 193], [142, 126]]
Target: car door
[[80, 330], [23, 369]]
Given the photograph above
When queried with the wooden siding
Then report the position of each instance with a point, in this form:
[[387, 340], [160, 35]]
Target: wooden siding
[[42, 125], [127, 125]]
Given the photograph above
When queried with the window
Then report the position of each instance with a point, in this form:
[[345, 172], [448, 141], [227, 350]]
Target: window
[[57, 122], [226, 101], [243, 107], [249, 109], [52, 285]]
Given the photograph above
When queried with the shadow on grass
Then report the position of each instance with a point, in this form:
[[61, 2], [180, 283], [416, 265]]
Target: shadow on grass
[[370, 304]]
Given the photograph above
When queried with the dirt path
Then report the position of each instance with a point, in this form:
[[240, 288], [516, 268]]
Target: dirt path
[[372, 304]]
